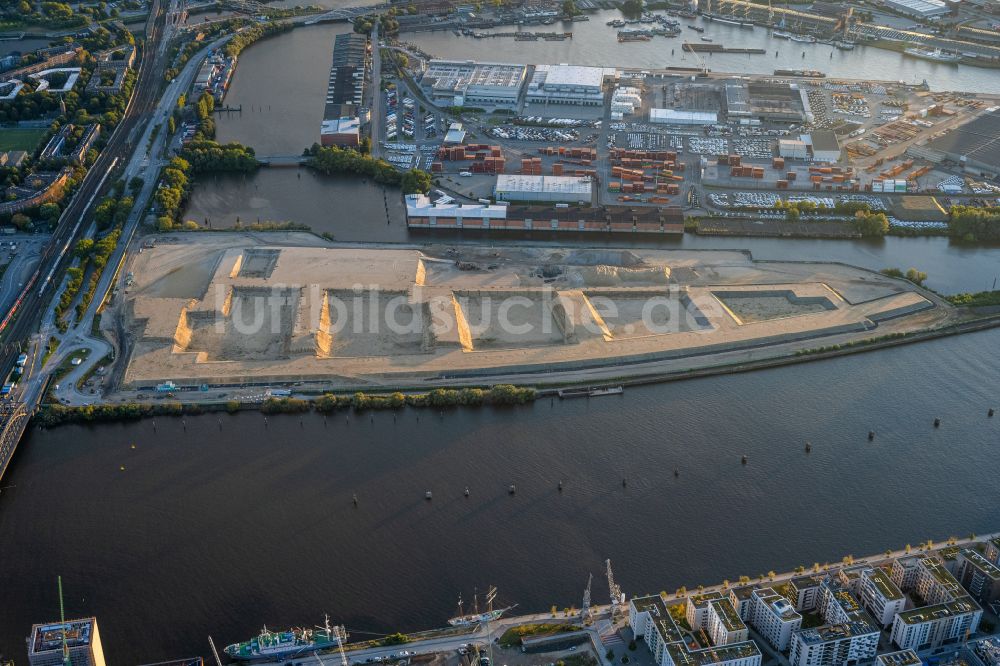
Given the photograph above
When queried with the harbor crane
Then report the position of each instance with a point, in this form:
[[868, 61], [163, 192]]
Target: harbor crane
[[617, 596], [585, 611]]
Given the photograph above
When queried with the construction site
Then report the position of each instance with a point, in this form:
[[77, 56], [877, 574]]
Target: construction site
[[228, 310]]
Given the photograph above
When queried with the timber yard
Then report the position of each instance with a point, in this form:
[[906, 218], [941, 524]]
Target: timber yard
[[535, 209]]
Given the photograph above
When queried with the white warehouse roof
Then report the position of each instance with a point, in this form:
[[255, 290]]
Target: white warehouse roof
[[574, 76], [674, 117], [921, 7], [507, 182]]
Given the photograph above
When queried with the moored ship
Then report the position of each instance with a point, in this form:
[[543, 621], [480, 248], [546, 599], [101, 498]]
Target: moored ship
[[284, 644], [936, 55]]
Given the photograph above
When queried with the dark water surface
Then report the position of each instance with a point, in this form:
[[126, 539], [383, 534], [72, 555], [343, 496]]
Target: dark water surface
[[211, 531]]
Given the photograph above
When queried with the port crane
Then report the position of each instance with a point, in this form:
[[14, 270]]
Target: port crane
[[617, 596]]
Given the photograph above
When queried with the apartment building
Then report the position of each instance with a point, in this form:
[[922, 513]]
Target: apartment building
[[880, 596], [805, 591], [978, 575], [936, 625], [835, 644], [650, 620], [773, 617], [899, 658]]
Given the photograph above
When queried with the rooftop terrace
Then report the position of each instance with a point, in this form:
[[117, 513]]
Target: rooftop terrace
[[724, 609], [883, 583], [710, 656], [957, 606], [49, 637], [900, 658], [988, 568], [659, 616], [835, 632]]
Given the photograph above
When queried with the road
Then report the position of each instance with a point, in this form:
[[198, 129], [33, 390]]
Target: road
[[145, 163], [23, 320]]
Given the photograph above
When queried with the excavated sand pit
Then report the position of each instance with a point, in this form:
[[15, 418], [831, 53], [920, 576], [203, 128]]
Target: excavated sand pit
[[750, 307], [255, 314]]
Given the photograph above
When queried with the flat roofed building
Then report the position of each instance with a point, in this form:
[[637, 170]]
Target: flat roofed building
[[741, 597], [82, 639], [880, 596], [566, 189], [993, 550], [568, 84], [825, 146], [898, 658], [837, 605], [774, 617], [793, 148], [455, 134], [340, 132], [976, 146], [835, 645], [192, 661], [650, 620], [469, 82], [978, 575], [696, 609], [935, 625], [724, 624], [737, 100], [675, 117], [918, 8], [805, 591]]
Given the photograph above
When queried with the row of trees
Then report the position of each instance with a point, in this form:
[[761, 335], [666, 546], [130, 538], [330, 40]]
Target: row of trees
[[871, 225], [252, 34], [331, 160], [974, 224], [209, 156], [912, 274]]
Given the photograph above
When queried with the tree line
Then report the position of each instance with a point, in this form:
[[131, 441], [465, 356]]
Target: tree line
[[332, 160]]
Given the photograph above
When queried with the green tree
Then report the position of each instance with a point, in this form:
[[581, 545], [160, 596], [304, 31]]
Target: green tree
[[416, 180], [20, 220], [569, 8], [49, 211], [83, 247]]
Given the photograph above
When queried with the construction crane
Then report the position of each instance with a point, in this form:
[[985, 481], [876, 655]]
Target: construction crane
[[617, 597], [585, 612], [62, 620]]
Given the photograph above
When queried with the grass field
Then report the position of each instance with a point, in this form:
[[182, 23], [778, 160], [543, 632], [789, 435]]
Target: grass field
[[16, 138]]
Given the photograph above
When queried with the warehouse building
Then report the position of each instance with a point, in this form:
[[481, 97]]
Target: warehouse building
[[561, 189], [675, 117], [825, 146], [568, 84], [342, 113], [923, 9], [975, 145], [793, 149], [467, 83]]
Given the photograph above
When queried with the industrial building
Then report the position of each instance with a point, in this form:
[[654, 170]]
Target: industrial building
[[564, 189], [345, 91], [825, 146], [467, 83], [923, 9], [974, 145], [675, 117], [421, 213], [772, 102], [568, 84], [81, 638]]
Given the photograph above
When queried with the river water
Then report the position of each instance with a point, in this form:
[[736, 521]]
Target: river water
[[218, 528]]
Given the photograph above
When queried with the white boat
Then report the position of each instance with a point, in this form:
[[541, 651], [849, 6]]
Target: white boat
[[936, 55], [778, 34], [807, 39]]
